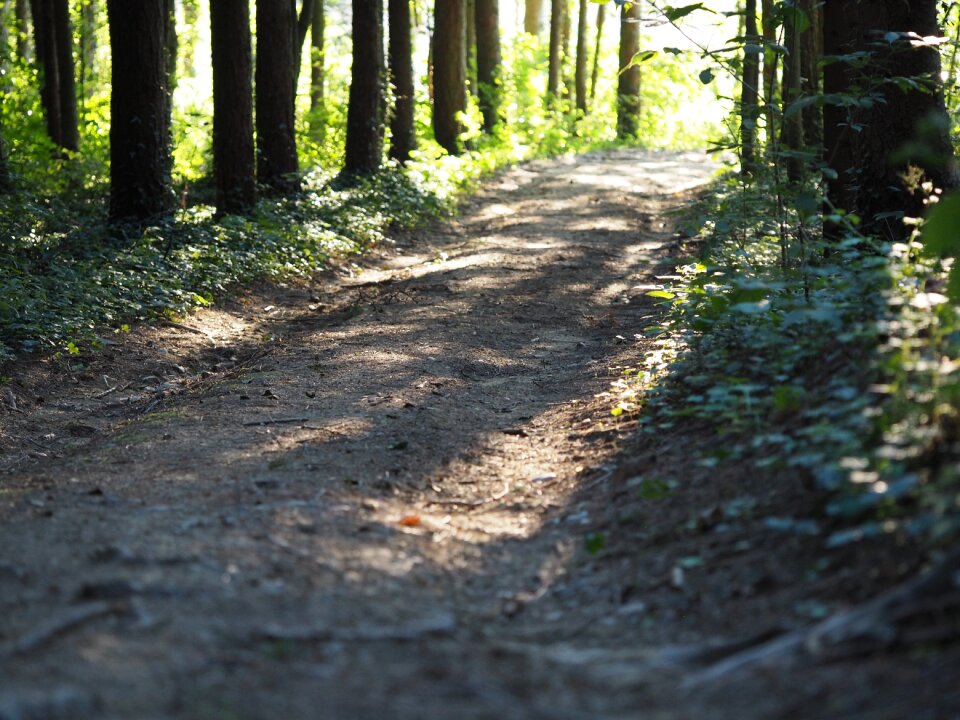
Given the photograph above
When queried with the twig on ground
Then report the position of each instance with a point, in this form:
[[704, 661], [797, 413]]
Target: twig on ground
[[50, 631], [277, 421], [438, 626], [874, 620], [189, 328]]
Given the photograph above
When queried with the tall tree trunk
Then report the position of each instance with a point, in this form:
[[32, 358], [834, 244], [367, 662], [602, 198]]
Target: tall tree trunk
[[861, 143], [22, 14], [470, 19], [595, 73], [44, 40], [628, 85], [173, 46], [580, 76], [403, 137], [63, 32], [811, 51], [233, 151], [364, 153], [318, 120], [533, 10], [791, 136], [139, 134], [449, 73], [277, 166], [6, 182], [88, 45], [566, 62], [770, 59], [556, 37], [749, 102], [488, 61], [304, 23]]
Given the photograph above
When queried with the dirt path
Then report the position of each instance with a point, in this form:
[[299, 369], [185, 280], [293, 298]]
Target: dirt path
[[373, 497]]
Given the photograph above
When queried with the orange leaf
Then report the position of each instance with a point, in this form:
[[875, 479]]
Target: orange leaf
[[410, 521]]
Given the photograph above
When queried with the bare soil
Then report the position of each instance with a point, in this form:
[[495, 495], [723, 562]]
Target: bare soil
[[398, 492]]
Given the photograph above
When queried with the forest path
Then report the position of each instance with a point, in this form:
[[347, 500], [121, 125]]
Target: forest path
[[376, 496]]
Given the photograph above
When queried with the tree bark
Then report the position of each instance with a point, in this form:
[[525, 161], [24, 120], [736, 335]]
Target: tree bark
[[628, 85], [22, 14], [566, 32], [791, 134], [44, 40], [304, 23], [533, 10], [139, 134], [556, 37], [233, 150], [770, 59], [488, 61], [63, 33], [403, 138], [6, 182], [470, 19], [595, 73], [749, 95], [277, 167], [318, 120], [867, 146], [364, 152], [449, 73], [811, 50], [580, 76], [88, 42]]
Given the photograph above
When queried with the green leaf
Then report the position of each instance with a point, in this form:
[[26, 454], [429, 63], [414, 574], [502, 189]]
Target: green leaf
[[707, 76], [595, 542], [665, 294], [672, 14], [941, 231]]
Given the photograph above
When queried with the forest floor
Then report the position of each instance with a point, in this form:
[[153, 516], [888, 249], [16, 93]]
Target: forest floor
[[398, 492]]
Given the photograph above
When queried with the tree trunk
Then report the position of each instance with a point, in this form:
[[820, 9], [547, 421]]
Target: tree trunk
[[233, 151], [865, 146], [770, 59], [449, 73], [811, 50], [44, 41], [364, 153], [488, 61], [580, 76], [6, 182], [173, 47], [63, 34], [304, 23], [139, 135], [277, 167], [531, 18], [749, 95], [403, 138], [88, 44], [22, 14], [791, 135], [556, 37], [628, 85], [318, 120], [595, 74], [566, 32], [470, 18]]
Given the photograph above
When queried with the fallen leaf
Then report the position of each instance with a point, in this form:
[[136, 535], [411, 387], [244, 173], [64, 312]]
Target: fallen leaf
[[410, 521]]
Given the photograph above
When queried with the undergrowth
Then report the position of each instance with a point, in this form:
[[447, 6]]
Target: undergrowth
[[833, 361]]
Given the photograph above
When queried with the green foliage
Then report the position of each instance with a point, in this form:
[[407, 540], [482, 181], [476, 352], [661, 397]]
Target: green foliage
[[835, 363], [66, 279]]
